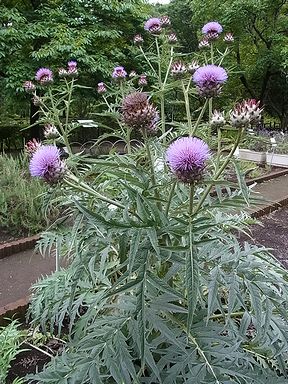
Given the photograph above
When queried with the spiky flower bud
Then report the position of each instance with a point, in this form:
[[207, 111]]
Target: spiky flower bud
[[239, 116], [228, 38], [132, 74], [138, 113], [138, 40], [212, 36], [62, 72], [165, 21], [32, 146], [204, 43], [246, 112], [50, 131], [193, 67], [37, 100], [252, 107], [29, 87], [172, 38], [217, 119], [178, 69], [142, 80], [101, 88]]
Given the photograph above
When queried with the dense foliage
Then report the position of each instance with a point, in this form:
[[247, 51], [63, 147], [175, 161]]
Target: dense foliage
[[158, 288], [260, 51]]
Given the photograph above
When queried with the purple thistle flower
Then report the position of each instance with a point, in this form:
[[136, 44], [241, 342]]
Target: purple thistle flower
[[209, 79], [186, 158], [72, 64], [44, 76], [72, 69], [213, 27], [46, 163], [119, 73], [153, 25]]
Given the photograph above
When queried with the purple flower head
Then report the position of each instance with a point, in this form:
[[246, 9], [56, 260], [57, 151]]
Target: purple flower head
[[153, 25], [209, 79], [138, 113], [72, 68], [119, 73], [44, 76], [46, 163], [186, 158], [72, 64], [29, 86], [211, 28]]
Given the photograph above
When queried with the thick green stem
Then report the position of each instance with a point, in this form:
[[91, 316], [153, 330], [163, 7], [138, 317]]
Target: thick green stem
[[224, 55], [219, 138], [153, 177], [128, 140], [74, 182], [199, 118], [59, 123], [171, 194], [210, 104], [168, 68], [220, 171], [187, 107], [162, 100], [212, 53], [70, 90], [148, 61]]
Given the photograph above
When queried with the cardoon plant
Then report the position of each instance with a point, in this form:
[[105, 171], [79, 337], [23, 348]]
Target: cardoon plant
[[158, 289]]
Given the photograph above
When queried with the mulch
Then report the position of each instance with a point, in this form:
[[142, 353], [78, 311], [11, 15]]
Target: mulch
[[272, 233]]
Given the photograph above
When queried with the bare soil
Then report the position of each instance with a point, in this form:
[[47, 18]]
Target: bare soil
[[273, 233], [32, 360], [7, 236]]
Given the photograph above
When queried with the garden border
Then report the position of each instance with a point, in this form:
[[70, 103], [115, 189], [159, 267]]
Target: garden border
[[15, 246]]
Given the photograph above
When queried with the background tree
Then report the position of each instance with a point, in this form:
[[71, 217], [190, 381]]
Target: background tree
[[260, 53], [37, 33]]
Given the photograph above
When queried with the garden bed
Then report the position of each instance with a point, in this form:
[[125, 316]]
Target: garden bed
[[272, 234]]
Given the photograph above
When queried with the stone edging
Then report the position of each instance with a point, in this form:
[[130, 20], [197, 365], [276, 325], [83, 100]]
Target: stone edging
[[15, 310], [270, 208], [16, 246], [268, 177]]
